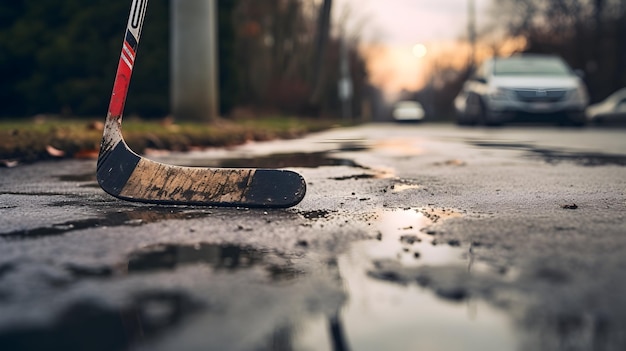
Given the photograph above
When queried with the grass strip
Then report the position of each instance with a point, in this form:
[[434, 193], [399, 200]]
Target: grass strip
[[40, 139]]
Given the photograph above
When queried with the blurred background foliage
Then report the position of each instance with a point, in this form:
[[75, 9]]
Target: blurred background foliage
[[59, 57]]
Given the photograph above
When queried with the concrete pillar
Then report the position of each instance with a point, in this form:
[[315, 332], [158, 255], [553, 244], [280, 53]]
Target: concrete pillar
[[194, 66]]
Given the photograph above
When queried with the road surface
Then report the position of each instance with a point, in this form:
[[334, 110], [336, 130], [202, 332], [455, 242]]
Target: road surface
[[410, 237]]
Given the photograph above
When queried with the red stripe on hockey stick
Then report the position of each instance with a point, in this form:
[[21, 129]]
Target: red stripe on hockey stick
[[120, 88]]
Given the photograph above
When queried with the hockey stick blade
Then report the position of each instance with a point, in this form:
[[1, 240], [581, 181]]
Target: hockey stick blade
[[128, 176]]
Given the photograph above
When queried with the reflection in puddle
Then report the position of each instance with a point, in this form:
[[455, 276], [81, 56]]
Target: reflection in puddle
[[89, 325], [320, 332], [219, 257], [398, 188], [381, 315], [401, 146], [405, 237]]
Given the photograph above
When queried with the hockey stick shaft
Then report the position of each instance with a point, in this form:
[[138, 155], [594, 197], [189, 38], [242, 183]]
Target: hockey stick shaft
[[112, 128], [127, 58]]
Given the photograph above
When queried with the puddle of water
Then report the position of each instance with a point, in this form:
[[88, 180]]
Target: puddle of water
[[132, 217], [87, 325], [401, 146], [284, 160], [305, 160], [219, 257], [355, 177], [354, 146], [86, 177], [349, 144], [321, 333], [404, 236], [315, 214], [301, 160], [582, 159], [553, 156], [382, 315]]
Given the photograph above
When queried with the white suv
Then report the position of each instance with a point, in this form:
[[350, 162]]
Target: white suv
[[523, 87]]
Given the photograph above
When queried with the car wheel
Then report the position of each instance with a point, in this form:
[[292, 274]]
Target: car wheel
[[490, 118], [576, 120], [493, 124], [577, 124], [473, 110], [483, 116], [599, 121], [463, 119]]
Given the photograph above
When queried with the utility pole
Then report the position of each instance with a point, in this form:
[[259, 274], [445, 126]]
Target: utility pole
[[471, 31], [321, 40], [345, 81], [194, 66], [620, 45]]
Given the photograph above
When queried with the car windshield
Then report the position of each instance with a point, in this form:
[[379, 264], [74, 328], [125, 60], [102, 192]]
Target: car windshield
[[530, 66]]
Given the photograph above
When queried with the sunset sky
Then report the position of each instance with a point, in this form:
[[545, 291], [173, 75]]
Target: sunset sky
[[392, 28]]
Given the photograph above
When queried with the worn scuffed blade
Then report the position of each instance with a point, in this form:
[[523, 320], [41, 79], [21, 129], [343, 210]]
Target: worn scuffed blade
[[126, 175]]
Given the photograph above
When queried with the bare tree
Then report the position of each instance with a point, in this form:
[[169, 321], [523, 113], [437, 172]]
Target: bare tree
[[287, 57], [272, 49], [323, 32]]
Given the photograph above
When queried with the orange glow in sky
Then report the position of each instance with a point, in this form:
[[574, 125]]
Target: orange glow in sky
[[394, 67], [394, 28], [397, 67]]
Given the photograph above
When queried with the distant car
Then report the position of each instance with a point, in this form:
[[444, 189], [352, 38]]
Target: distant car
[[612, 110], [523, 87], [408, 111]]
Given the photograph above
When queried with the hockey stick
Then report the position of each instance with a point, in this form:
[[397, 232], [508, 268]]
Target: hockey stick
[[128, 176]]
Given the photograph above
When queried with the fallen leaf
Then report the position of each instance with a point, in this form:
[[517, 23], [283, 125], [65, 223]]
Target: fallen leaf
[[54, 152], [86, 154], [95, 125], [9, 163]]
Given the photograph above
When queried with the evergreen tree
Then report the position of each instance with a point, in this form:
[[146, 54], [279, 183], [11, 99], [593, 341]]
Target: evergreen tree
[[60, 57]]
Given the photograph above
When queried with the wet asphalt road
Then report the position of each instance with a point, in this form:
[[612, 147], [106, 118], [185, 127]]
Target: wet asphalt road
[[410, 237]]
